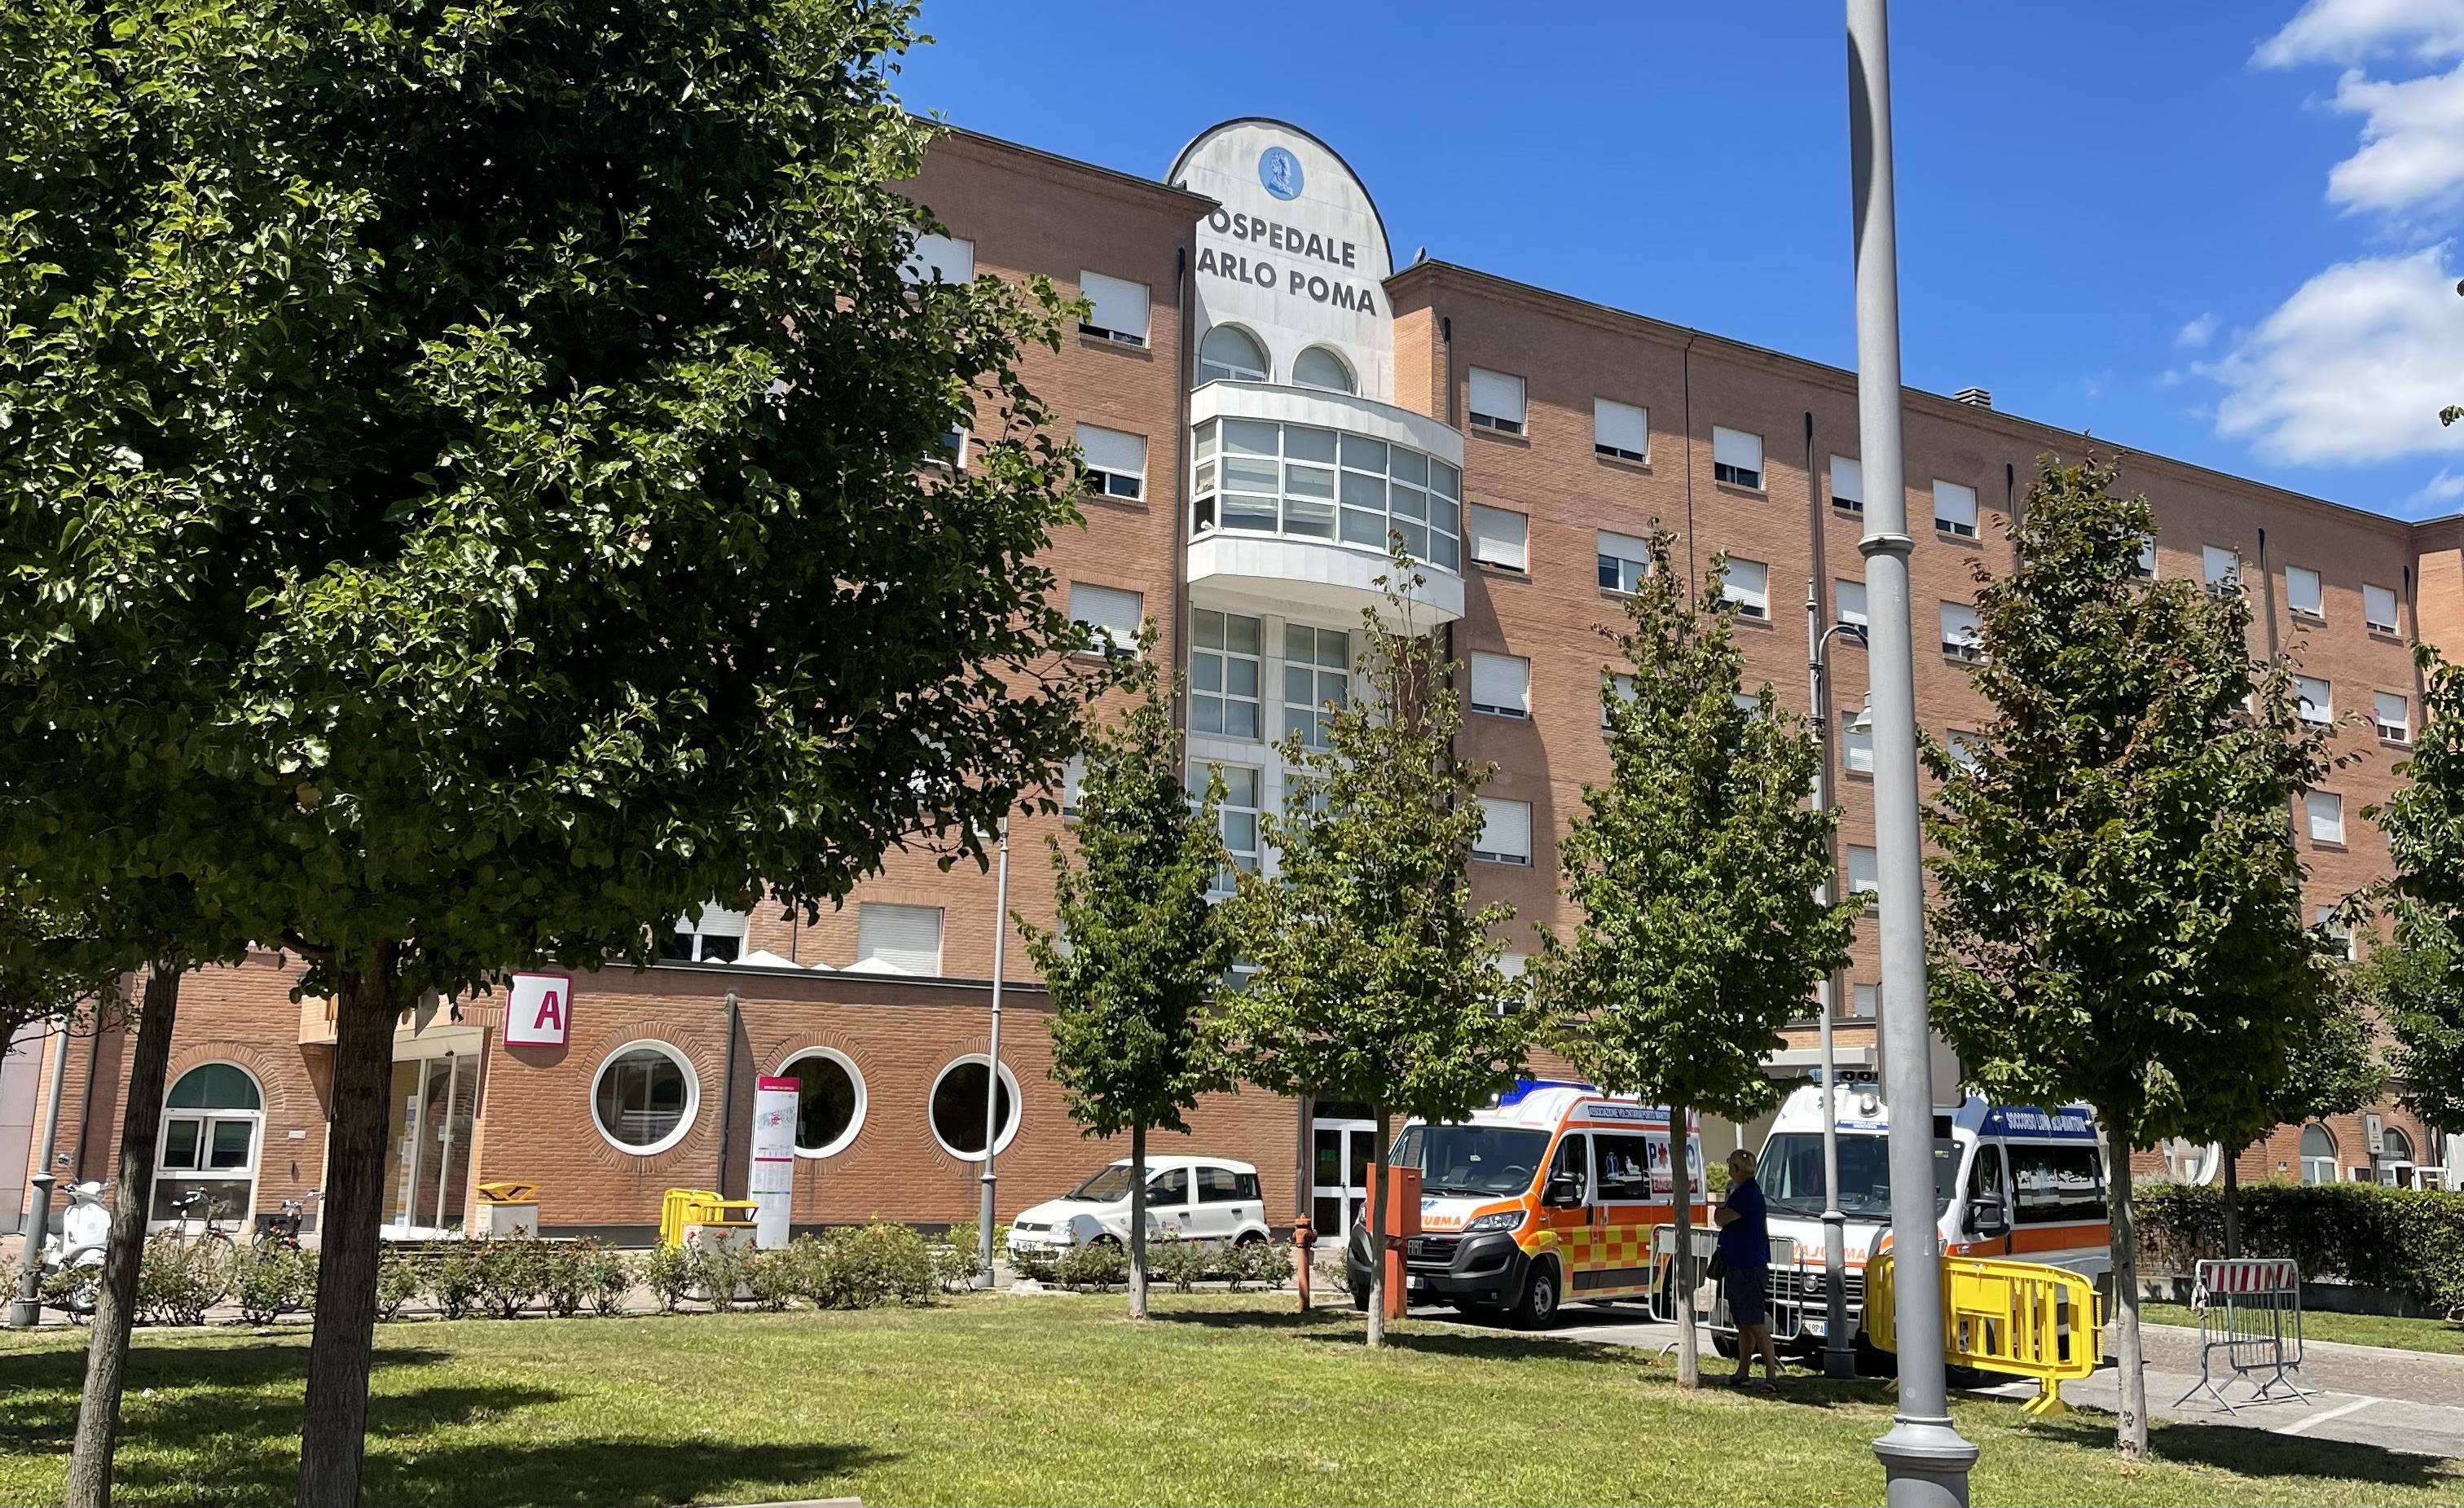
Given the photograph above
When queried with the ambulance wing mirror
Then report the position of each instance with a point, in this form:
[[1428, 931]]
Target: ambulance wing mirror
[[1987, 1218], [1563, 1191]]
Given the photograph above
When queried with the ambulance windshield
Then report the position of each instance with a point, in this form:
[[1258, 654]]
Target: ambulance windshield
[[1791, 1174], [1471, 1159]]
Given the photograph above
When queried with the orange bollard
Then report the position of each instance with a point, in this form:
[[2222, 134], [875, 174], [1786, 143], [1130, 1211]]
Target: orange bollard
[[1402, 1223], [1304, 1239]]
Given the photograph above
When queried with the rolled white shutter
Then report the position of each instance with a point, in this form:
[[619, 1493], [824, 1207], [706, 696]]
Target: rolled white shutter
[[1113, 449], [1847, 479], [942, 257], [1501, 537], [1506, 828], [1954, 504], [1497, 394], [1738, 448], [906, 939], [1120, 305], [1620, 427], [1501, 681], [1112, 612]]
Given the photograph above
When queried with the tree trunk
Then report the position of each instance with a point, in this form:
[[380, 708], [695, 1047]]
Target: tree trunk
[[2130, 1419], [1681, 1187], [333, 1431], [1137, 1219], [2233, 1203], [106, 1352], [1378, 1230]]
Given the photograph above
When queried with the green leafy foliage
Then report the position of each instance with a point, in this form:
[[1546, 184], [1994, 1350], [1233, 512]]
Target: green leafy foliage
[[669, 1274], [2418, 982], [514, 1272], [456, 1285], [1181, 1263], [1092, 1267], [2409, 1240], [400, 1281], [178, 1279], [269, 1282], [604, 1275]]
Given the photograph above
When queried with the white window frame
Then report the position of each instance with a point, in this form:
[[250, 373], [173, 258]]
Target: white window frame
[[855, 1076], [2394, 622], [2314, 698], [165, 1177], [941, 938], [1326, 682], [1491, 807], [710, 921], [1107, 464], [1864, 871], [1110, 638], [2324, 817], [1490, 528], [2330, 1167], [1961, 744], [2294, 577], [1737, 458], [1865, 1001], [2400, 730], [1615, 423], [684, 1120], [1500, 685], [1225, 659], [2146, 564], [1857, 616], [1074, 787], [2324, 921], [1351, 383], [1954, 510], [1755, 602], [1621, 685], [1969, 648], [1849, 499], [1488, 396], [1194, 774], [1017, 1105], [1210, 370], [1120, 309], [1617, 551]]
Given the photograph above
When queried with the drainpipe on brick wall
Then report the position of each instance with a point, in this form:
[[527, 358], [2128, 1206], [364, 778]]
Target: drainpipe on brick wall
[[2267, 594], [2011, 497], [727, 1099]]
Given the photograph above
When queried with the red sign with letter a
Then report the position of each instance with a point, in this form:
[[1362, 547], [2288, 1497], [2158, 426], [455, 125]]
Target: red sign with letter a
[[539, 1011]]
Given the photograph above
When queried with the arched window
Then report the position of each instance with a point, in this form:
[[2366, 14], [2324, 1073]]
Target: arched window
[[2394, 1147], [1231, 354], [213, 1121], [2318, 1155], [1319, 367], [644, 1098], [958, 1108], [829, 1101]]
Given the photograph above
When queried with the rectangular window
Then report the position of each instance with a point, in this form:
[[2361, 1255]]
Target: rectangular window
[[1962, 629], [1120, 309], [1623, 1161], [2219, 566], [716, 935], [1501, 537], [2056, 1184], [1260, 477], [2393, 711], [2313, 699], [1218, 1185], [1851, 598], [1747, 585], [2147, 566], [1073, 786], [1624, 562], [1737, 457], [2378, 609], [1856, 747], [1963, 746], [1847, 484], [1621, 431], [898, 939], [2325, 920], [1505, 832], [1236, 816], [1862, 1001], [1621, 686], [1113, 615], [1500, 684], [943, 258], [1317, 670], [2326, 813], [1226, 663], [2301, 591], [1864, 876], [1496, 401], [953, 449], [1954, 508], [1115, 461]]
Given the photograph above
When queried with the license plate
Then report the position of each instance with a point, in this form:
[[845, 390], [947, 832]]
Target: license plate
[[1818, 1328]]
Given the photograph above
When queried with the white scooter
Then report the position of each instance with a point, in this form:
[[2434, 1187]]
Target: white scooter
[[75, 1246]]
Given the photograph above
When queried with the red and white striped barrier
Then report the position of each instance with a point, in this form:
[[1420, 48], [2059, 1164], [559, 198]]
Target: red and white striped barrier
[[2248, 1274], [2250, 1317]]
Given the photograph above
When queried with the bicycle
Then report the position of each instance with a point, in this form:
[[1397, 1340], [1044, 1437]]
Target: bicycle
[[209, 1233], [282, 1232]]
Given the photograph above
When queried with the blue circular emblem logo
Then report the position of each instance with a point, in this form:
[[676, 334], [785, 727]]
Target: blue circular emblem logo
[[1280, 172]]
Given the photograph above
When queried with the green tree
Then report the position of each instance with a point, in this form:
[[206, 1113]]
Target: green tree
[[1139, 944], [503, 449], [2118, 902], [1376, 981], [2418, 979], [1698, 869], [2418, 987], [2328, 1065]]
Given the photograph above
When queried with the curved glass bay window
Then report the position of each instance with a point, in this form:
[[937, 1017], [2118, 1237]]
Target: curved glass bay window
[[1259, 476]]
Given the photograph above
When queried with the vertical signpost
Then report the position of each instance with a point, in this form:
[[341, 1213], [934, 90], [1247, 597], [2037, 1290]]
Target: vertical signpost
[[772, 1182]]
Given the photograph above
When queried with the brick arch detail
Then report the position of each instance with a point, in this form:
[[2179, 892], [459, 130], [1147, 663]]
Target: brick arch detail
[[273, 1082]]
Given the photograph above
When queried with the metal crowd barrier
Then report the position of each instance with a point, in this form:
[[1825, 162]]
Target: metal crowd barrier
[[683, 1207], [1782, 1289], [2000, 1316], [2250, 1312]]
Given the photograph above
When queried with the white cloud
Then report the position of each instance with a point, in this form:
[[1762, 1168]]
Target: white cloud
[[2195, 335], [2349, 30], [2444, 488], [2411, 155], [2353, 367]]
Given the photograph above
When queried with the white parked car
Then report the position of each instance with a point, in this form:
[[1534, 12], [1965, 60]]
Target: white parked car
[[1195, 1198]]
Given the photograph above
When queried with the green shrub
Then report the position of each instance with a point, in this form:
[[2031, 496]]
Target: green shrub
[[1179, 1263], [885, 1263], [512, 1273], [1093, 1266], [771, 1278], [669, 1274], [2406, 1239], [1260, 1264], [399, 1280], [178, 1279], [272, 1281], [454, 1279], [1039, 1265], [958, 1258], [560, 1278], [720, 1271], [603, 1275]]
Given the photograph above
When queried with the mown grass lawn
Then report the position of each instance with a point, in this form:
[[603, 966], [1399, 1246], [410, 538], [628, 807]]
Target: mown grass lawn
[[2440, 1337], [1014, 1399]]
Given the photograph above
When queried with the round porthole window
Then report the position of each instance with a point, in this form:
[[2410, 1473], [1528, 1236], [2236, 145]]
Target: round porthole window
[[829, 1101], [958, 1108], [645, 1097]]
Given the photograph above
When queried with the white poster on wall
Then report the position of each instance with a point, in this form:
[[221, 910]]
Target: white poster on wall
[[772, 1182]]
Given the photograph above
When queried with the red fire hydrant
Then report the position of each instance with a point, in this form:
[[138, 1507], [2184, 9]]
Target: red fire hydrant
[[1304, 1239]]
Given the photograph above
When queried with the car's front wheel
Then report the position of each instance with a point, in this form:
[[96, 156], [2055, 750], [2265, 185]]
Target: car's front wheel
[[1541, 1296]]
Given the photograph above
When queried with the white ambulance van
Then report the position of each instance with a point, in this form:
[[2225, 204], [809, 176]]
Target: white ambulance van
[[1546, 1196], [2009, 1181]]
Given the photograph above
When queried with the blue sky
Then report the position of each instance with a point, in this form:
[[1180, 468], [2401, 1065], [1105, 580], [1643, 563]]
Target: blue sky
[[2216, 229]]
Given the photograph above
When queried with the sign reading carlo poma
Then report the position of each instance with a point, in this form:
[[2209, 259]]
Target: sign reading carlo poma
[[1296, 253]]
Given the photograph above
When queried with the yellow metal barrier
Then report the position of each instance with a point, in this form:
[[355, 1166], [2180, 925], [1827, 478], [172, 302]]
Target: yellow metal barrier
[[1998, 1315], [683, 1207]]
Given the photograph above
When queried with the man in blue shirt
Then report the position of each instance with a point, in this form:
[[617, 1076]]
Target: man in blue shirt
[[1745, 1252]]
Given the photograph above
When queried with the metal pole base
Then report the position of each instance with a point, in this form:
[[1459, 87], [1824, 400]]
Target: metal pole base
[[1838, 1363], [1924, 1464], [25, 1307]]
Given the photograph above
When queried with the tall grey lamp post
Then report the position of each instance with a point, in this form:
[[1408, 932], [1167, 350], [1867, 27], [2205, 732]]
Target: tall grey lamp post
[[1838, 1357], [992, 1069], [1924, 1460]]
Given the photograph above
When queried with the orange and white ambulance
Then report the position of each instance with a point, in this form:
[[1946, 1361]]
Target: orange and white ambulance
[[1546, 1196], [2009, 1181]]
